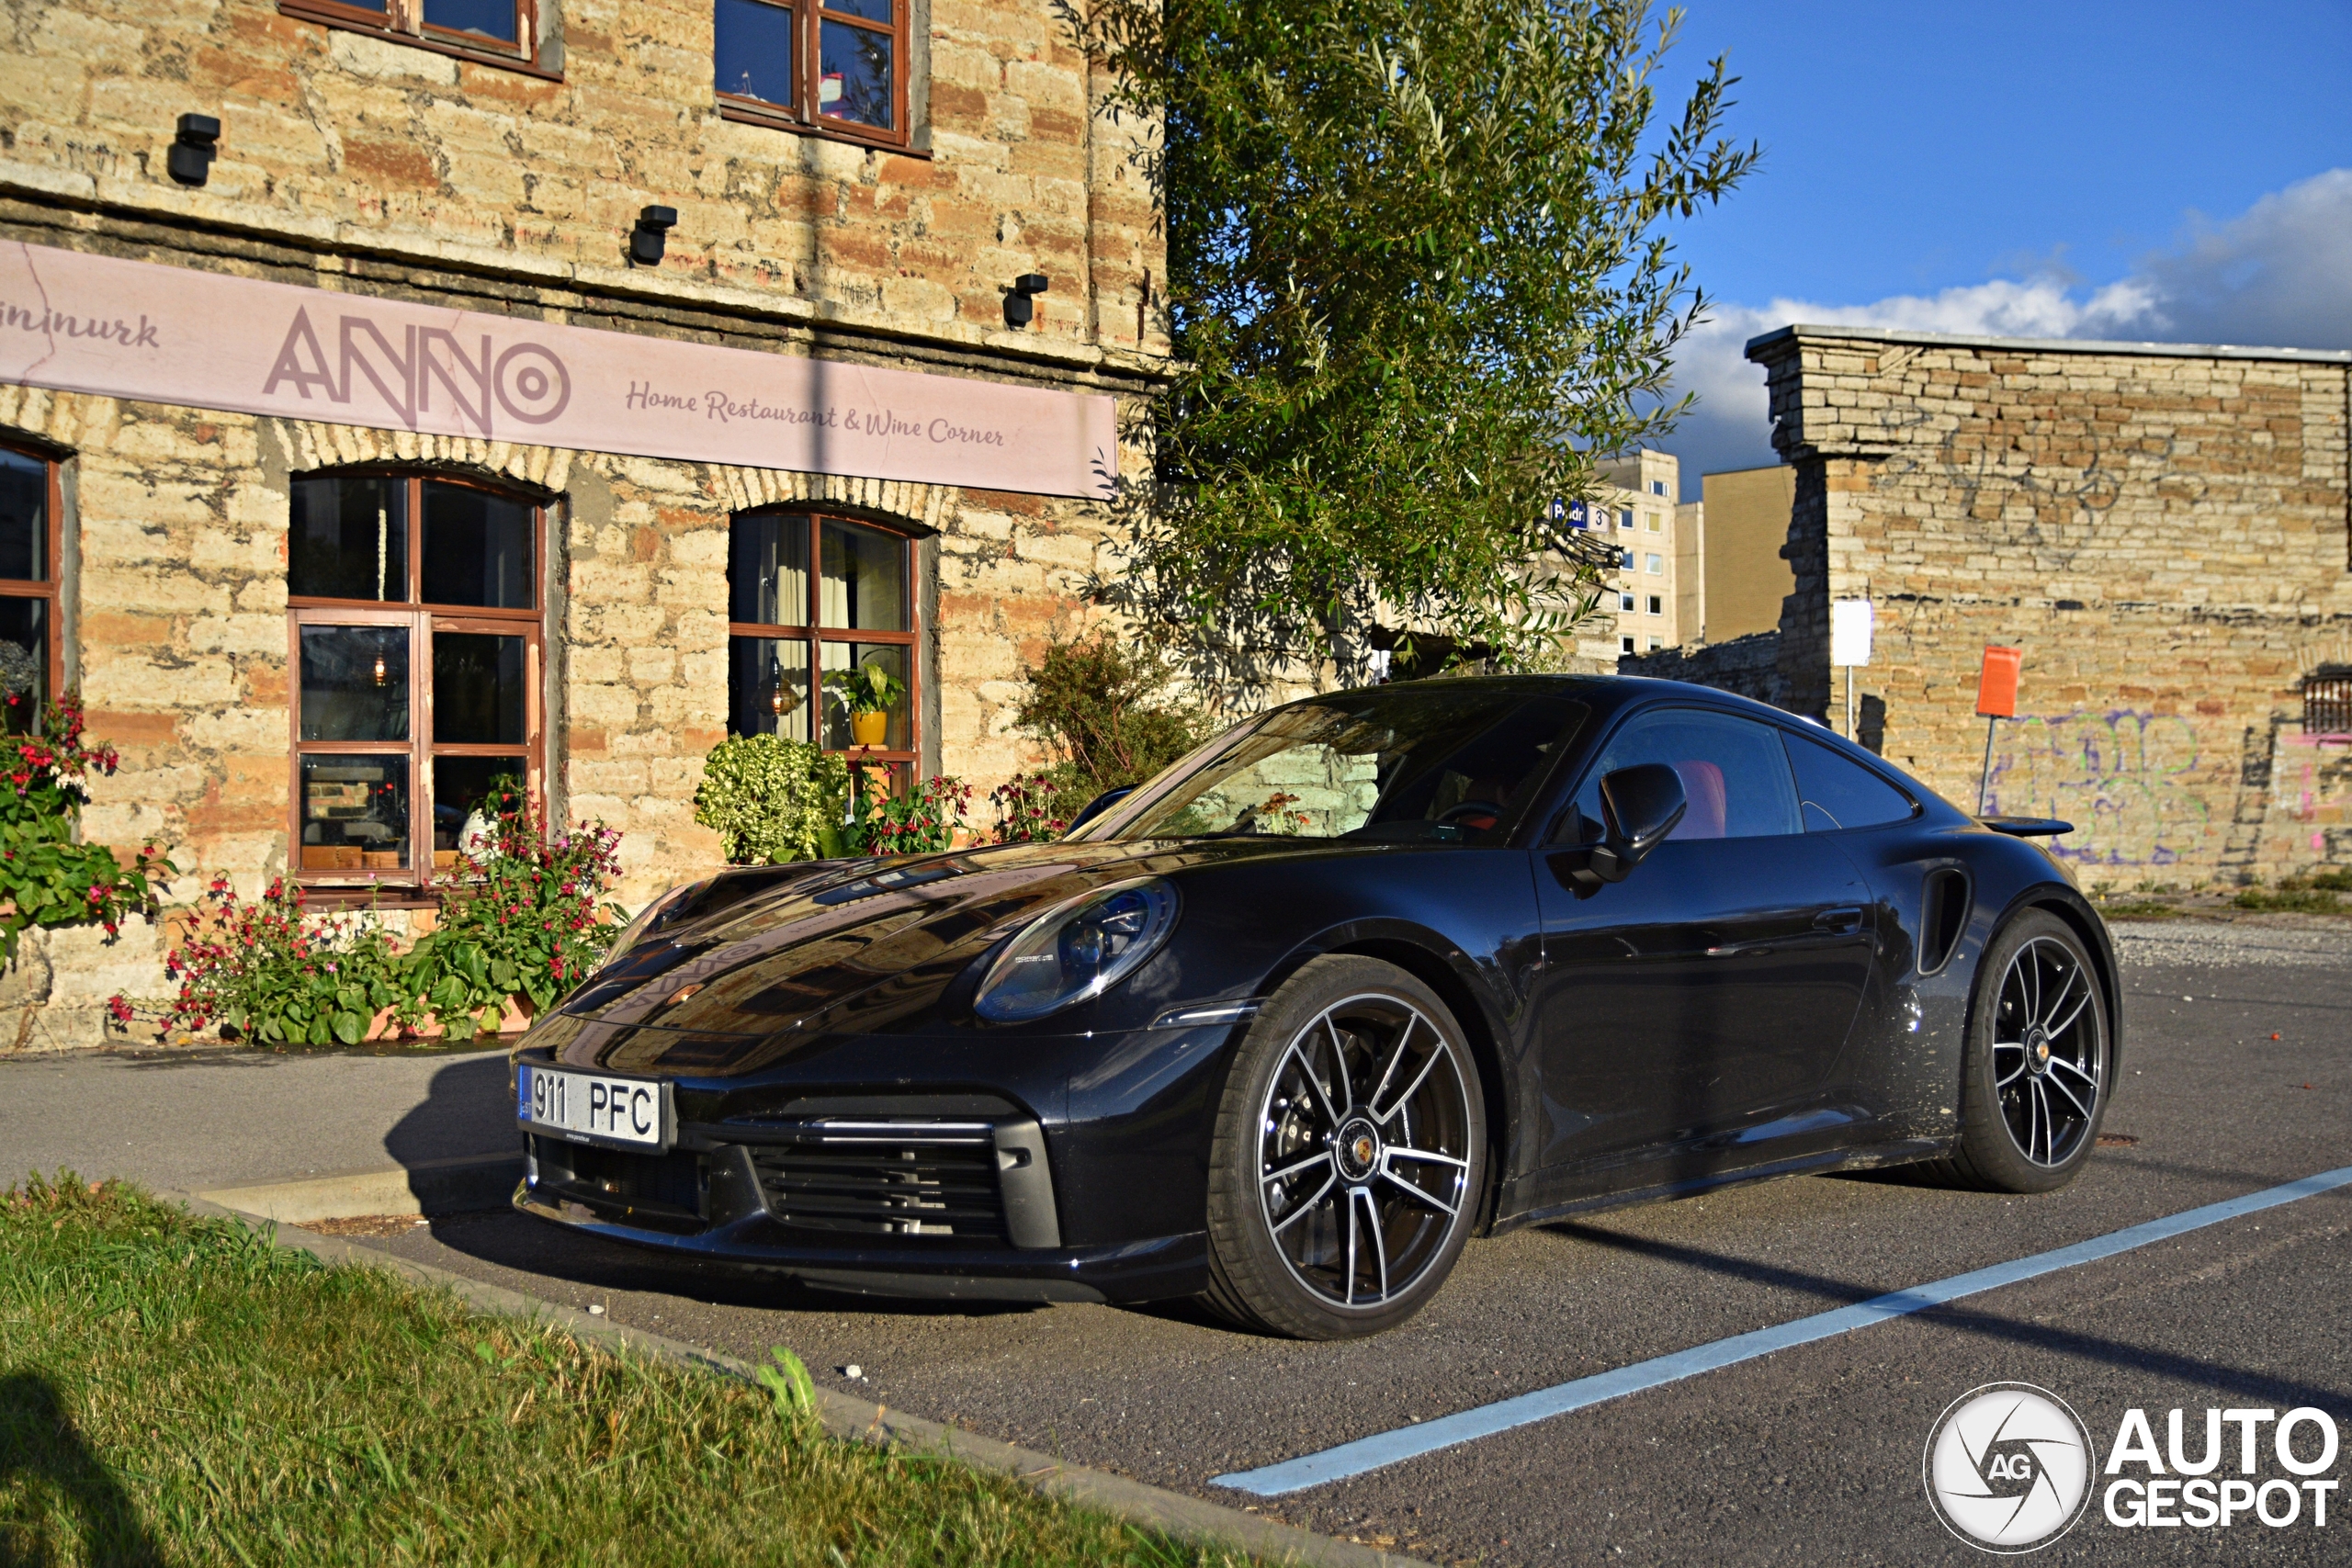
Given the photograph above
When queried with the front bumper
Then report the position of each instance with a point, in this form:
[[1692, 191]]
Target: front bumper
[[754, 1205]]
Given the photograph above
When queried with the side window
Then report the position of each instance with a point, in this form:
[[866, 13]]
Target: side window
[[1835, 792], [29, 631], [1733, 770]]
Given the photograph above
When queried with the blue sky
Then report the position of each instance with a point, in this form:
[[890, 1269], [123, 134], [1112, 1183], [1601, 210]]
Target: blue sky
[[2155, 171]]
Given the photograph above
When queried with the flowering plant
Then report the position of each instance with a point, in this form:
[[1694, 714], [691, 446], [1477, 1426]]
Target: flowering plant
[[46, 877], [272, 973], [925, 818], [1026, 810], [522, 915]]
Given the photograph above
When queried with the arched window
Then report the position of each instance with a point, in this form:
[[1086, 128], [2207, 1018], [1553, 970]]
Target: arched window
[[854, 612], [31, 643], [415, 627]]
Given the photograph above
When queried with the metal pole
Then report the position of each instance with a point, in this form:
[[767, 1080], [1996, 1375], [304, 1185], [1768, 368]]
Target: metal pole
[[1850, 702], [1984, 779]]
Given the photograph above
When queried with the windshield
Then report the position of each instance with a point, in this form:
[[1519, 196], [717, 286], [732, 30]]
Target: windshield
[[1439, 762]]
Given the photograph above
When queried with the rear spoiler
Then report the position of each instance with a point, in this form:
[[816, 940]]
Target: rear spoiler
[[2028, 826]]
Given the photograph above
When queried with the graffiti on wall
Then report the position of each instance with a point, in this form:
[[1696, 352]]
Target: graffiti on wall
[[2127, 779]]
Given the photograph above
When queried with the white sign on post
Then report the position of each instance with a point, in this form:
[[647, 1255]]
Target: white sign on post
[[1850, 631]]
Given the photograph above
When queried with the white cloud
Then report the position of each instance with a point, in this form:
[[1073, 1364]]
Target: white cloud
[[2278, 274]]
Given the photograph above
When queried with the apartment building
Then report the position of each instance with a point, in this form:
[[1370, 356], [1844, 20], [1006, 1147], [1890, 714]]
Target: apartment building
[[1638, 509]]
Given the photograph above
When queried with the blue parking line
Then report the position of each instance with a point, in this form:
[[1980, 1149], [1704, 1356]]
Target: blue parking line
[[1410, 1443]]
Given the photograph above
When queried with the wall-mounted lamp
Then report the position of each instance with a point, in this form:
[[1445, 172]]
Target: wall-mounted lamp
[[651, 233], [189, 160], [382, 675], [1020, 300]]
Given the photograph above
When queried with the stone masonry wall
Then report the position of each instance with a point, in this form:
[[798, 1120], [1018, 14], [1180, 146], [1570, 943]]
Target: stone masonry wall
[[2166, 534], [352, 142]]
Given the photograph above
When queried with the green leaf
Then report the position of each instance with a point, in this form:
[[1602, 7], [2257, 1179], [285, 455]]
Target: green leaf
[[350, 1027]]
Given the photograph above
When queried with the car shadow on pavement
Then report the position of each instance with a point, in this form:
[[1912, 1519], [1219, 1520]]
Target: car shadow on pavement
[[466, 1111], [2236, 1380], [40, 1445]]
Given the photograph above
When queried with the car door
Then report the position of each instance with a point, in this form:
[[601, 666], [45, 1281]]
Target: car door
[[1709, 993]]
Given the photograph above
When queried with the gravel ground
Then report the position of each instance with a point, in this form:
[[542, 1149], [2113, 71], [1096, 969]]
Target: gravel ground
[[2294, 941]]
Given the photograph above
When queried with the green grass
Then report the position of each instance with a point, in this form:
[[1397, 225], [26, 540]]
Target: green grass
[[2291, 900], [179, 1391], [2140, 909]]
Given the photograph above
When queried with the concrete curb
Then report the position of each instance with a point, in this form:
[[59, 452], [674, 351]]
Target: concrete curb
[[429, 1187], [854, 1419]]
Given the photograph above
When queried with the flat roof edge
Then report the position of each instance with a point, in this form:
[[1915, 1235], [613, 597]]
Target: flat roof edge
[[2043, 344]]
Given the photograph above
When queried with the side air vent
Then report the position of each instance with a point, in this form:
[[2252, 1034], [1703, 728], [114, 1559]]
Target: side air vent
[[1943, 917]]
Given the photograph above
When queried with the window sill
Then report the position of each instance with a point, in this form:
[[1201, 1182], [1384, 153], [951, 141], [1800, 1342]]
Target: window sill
[[326, 17], [826, 130]]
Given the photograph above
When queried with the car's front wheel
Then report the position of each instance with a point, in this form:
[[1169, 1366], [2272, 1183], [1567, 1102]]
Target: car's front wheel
[[1348, 1158], [2039, 1061]]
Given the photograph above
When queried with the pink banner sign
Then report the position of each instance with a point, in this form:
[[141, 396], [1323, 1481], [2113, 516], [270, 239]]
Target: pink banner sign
[[169, 334]]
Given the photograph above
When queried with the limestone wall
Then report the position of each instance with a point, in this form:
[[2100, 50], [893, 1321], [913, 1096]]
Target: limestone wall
[[359, 144], [2165, 533]]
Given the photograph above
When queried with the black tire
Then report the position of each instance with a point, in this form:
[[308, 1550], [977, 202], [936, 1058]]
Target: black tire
[[1371, 1247], [2024, 1123]]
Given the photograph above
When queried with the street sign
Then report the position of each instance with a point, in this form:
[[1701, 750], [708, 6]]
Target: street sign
[[1997, 683], [1850, 632]]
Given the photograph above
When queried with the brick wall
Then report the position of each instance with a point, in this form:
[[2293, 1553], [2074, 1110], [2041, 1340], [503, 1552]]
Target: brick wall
[[2163, 532]]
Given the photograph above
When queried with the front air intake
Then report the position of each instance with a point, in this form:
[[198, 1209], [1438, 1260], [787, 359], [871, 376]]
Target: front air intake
[[887, 1182]]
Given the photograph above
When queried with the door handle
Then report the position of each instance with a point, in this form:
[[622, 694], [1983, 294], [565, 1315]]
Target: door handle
[[1839, 922]]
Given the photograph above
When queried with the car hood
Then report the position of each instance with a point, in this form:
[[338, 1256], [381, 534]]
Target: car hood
[[858, 946]]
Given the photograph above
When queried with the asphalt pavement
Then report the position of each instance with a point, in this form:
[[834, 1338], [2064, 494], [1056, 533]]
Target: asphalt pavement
[[1812, 1453]]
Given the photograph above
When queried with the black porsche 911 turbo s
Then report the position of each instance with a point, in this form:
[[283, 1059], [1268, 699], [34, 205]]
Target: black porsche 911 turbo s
[[1366, 975]]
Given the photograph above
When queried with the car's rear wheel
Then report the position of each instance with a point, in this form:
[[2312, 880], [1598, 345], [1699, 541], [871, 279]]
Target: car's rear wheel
[[2036, 1078], [1348, 1158]]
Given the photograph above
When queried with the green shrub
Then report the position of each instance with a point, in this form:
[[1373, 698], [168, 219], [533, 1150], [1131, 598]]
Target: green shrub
[[772, 801], [1105, 710], [924, 818], [47, 876]]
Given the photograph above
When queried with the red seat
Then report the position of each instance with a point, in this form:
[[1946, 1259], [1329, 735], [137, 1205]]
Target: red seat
[[1702, 786]]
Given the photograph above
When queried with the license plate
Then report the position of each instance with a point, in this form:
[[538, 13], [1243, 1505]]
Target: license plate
[[586, 1108]]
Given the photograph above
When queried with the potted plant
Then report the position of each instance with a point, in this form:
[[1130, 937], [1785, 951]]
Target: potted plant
[[869, 692]]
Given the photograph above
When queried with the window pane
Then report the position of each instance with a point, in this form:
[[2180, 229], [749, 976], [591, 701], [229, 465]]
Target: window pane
[[767, 687], [864, 584], [495, 19], [752, 56], [1733, 774], [355, 814], [478, 690], [1839, 793], [347, 537], [24, 517], [24, 662], [767, 570], [845, 665], [355, 683], [872, 10], [467, 794], [856, 75], [477, 548]]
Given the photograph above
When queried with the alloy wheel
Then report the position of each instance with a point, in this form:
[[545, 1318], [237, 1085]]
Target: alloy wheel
[[1363, 1151], [2049, 1061]]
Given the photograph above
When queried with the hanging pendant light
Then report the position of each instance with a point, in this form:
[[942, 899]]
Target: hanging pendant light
[[382, 675]]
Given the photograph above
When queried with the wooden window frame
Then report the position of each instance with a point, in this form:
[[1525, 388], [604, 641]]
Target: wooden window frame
[[47, 587], [402, 21], [422, 621], [815, 635], [808, 17]]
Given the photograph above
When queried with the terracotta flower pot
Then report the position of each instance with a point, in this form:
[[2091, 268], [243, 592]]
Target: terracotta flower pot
[[869, 728]]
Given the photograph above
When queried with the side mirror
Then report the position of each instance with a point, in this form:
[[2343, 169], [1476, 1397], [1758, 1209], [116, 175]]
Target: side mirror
[[1099, 804], [1639, 807]]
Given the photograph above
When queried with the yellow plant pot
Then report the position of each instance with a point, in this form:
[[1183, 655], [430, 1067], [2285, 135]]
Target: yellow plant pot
[[869, 728]]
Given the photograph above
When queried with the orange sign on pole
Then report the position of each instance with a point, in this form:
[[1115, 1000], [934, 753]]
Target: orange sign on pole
[[1996, 684], [1996, 699]]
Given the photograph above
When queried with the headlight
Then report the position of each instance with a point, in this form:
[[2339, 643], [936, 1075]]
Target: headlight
[[1076, 950]]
